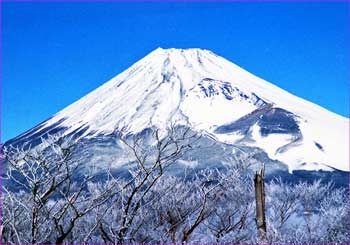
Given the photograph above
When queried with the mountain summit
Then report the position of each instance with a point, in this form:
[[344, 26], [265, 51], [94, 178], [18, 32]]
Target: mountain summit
[[206, 92]]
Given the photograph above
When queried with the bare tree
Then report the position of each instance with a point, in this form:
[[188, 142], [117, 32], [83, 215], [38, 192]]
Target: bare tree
[[283, 202], [233, 211], [152, 157], [51, 200], [44, 200]]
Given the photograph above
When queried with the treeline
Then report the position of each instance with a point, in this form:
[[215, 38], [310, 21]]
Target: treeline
[[211, 206]]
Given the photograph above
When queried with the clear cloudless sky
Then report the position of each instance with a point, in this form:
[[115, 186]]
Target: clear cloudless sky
[[55, 53]]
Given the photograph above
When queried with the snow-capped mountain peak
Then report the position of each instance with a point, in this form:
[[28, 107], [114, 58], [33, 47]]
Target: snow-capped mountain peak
[[200, 89]]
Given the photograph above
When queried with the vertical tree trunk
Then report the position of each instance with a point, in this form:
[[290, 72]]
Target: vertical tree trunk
[[260, 203]]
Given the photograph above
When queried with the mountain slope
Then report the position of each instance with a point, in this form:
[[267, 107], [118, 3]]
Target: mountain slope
[[206, 92]]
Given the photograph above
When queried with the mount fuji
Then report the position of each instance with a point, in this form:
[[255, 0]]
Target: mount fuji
[[201, 90]]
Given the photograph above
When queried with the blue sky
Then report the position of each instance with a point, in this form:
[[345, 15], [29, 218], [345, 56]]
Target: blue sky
[[55, 53]]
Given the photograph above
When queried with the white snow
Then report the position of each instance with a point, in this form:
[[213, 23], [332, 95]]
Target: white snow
[[188, 163], [164, 87], [206, 112]]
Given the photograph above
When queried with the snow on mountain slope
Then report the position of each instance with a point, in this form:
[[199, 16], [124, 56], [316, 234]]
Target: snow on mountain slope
[[198, 88]]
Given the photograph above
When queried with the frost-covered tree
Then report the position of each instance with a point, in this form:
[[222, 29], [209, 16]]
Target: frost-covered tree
[[49, 201], [307, 213], [152, 156], [45, 201]]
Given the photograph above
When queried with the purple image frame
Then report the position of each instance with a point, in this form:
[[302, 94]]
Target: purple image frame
[[139, 1]]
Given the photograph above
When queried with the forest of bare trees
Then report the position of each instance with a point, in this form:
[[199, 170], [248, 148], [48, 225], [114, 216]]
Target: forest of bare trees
[[45, 201]]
